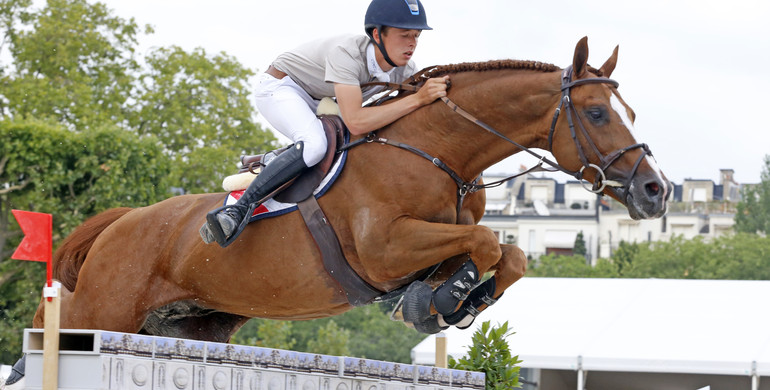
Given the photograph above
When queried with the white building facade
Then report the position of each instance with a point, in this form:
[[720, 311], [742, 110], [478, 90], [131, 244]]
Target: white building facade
[[543, 216]]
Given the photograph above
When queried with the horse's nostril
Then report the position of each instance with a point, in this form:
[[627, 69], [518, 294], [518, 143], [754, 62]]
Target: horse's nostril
[[653, 189]]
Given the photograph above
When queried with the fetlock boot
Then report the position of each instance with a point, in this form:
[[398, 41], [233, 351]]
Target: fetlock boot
[[224, 224], [471, 307], [456, 288]]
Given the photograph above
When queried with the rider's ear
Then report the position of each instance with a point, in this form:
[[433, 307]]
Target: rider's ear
[[609, 66], [580, 60]]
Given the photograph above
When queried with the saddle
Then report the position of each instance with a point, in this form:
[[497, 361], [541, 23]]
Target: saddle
[[303, 186]]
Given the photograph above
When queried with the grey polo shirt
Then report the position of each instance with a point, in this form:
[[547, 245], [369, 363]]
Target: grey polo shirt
[[316, 66]]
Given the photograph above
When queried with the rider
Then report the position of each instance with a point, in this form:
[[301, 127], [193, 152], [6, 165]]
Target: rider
[[290, 90]]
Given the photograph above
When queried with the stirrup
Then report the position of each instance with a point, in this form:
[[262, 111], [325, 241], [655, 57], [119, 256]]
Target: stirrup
[[216, 229]]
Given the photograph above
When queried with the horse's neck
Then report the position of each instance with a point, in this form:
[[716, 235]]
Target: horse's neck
[[518, 104]]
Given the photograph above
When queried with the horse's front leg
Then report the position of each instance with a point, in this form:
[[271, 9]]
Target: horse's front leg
[[510, 268], [411, 245], [397, 251]]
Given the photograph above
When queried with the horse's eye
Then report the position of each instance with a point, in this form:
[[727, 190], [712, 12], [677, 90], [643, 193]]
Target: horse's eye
[[597, 115]]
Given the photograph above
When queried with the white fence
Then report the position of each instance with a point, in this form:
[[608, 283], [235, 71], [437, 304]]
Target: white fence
[[94, 359]]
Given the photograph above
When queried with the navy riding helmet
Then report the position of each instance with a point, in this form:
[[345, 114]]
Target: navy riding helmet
[[406, 14]]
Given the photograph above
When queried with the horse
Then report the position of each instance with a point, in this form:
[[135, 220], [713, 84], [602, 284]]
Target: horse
[[146, 270]]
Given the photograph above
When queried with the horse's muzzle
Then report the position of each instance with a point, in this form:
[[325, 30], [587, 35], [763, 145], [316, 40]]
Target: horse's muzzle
[[647, 196]]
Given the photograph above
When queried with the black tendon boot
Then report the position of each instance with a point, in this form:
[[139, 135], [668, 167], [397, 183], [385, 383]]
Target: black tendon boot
[[481, 295], [224, 224], [456, 288]]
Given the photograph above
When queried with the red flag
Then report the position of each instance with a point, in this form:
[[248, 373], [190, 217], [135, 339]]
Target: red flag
[[36, 245]]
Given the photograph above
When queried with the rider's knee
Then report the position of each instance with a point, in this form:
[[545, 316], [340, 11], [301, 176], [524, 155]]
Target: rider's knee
[[315, 146]]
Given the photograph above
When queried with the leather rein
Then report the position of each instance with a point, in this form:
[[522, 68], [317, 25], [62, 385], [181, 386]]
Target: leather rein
[[464, 187]]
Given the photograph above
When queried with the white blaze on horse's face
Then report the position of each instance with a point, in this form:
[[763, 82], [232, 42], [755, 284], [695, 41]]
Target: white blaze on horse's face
[[622, 112]]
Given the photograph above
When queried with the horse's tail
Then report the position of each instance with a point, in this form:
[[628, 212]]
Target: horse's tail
[[70, 256]]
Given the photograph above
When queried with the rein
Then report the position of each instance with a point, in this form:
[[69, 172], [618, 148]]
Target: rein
[[566, 102]]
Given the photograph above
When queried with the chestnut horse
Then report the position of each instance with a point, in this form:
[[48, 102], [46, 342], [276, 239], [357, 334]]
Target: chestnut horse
[[395, 214]]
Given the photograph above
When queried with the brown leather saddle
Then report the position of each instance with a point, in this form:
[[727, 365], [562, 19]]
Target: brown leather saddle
[[303, 186]]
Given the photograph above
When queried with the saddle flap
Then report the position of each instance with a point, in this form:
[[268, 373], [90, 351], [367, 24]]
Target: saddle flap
[[305, 184]]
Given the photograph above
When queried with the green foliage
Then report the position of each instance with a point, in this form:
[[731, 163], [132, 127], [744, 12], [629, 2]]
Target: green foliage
[[570, 267], [47, 168], [753, 211], [198, 106], [85, 127], [579, 248], [265, 333], [624, 255], [331, 340], [369, 331], [74, 65], [740, 256], [491, 354]]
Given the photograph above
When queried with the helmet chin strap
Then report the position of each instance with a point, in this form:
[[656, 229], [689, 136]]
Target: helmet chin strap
[[381, 46]]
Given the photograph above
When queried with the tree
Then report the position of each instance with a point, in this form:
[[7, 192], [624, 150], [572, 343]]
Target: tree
[[369, 332], [753, 211], [579, 248], [570, 267], [75, 65], [198, 106], [491, 355], [624, 256], [46, 168], [331, 340]]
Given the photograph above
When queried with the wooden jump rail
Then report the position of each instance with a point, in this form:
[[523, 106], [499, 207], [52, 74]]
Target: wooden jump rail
[[95, 359]]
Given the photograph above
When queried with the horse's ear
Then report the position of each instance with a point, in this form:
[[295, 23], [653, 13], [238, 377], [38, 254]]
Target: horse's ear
[[609, 66], [580, 60]]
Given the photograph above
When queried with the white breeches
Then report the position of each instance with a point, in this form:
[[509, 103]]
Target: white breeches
[[291, 111]]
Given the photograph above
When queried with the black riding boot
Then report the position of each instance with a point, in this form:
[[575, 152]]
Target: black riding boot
[[224, 224]]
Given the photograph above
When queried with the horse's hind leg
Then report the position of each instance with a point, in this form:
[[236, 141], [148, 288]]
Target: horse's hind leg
[[510, 268], [185, 319]]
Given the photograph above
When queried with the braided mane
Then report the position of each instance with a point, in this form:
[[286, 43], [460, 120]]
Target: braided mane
[[438, 71]]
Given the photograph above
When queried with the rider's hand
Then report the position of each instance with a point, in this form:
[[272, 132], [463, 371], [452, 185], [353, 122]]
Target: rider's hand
[[433, 89]]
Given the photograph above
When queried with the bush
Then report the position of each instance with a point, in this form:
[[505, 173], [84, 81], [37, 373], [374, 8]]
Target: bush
[[491, 355]]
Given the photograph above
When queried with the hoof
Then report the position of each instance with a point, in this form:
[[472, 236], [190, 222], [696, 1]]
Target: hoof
[[15, 381], [416, 303], [17, 385], [429, 326]]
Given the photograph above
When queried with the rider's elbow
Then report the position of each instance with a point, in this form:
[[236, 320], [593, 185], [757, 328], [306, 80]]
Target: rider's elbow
[[357, 127]]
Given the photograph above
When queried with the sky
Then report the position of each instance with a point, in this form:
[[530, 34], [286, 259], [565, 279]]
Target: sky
[[694, 71]]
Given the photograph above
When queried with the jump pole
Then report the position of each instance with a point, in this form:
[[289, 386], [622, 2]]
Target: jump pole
[[441, 350], [37, 245]]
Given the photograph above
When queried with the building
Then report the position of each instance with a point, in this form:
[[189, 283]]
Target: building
[[543, 216]]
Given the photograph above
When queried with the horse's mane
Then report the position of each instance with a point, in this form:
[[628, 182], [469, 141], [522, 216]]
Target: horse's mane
[[438, 71]]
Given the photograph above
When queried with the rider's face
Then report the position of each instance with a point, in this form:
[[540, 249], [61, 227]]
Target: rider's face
[[400, 45]]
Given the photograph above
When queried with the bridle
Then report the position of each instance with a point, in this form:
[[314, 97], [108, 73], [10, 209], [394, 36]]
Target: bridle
[[464, 187], [598, 186]]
